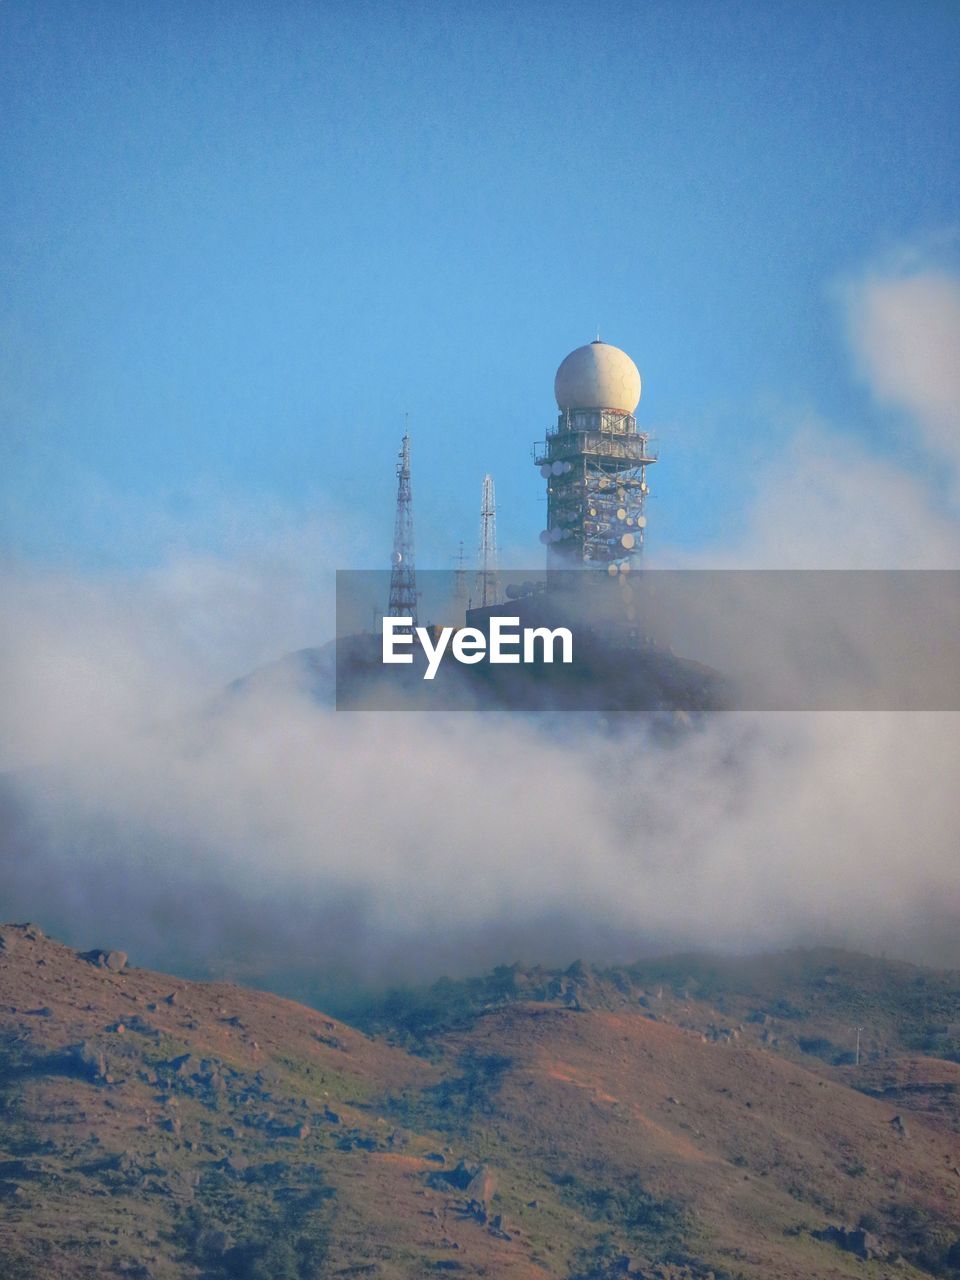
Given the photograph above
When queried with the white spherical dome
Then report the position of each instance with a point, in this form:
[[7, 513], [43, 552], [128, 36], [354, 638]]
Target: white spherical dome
[[598, 376]]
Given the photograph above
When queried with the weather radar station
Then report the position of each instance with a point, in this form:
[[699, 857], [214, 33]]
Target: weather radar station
[[588, 612], [595, 461]]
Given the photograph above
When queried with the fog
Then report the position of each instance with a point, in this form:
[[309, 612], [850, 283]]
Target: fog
[[259, 834]]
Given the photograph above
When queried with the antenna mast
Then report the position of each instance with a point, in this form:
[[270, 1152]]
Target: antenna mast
[[488, 577], [460, 581], [403, 576]]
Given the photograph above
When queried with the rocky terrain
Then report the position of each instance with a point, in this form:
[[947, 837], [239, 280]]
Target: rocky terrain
[[676, 1120]]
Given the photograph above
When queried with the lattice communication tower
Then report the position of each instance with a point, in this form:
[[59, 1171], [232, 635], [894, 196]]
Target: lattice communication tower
[[488, 568], [403, 575]]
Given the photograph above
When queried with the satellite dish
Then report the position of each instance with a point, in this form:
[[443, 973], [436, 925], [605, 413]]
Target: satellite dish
[[641, 522], [545, 536], [396, 557], [557, 468], [627, 540], [513, 591], [556, 534], [612, 570], [567, 468], [545, 470], [621, 513], [529, 588]]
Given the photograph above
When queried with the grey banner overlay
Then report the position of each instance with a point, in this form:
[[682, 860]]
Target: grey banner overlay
[[672, 640]]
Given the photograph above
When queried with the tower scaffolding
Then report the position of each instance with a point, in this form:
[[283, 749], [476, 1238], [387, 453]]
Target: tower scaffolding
[[595, 462]]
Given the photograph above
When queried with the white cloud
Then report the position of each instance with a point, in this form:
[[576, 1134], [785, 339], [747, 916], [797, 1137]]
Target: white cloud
[[827, 503], [829, 500], [905, 330]]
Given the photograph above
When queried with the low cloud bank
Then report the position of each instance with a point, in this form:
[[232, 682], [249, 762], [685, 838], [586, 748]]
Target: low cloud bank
[[274, 834]]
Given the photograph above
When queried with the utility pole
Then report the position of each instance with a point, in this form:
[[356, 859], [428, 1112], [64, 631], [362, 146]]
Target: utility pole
[[403, 577], [460, 583]]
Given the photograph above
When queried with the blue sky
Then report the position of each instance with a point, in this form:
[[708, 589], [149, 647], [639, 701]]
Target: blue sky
[[241, 241]]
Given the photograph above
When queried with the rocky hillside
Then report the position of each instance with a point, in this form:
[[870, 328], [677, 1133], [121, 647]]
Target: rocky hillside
[[674, 1120]]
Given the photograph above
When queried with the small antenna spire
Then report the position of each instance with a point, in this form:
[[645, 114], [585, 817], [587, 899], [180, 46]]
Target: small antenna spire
[[460, 598]]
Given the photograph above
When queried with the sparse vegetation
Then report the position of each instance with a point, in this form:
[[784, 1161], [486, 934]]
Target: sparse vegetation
[[216, 1134], [292, 1245], [660, 1226], [926, 1240]]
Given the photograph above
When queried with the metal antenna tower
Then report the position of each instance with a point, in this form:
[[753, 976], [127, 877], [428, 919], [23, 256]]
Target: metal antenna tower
[[488, 576], [403, 575]]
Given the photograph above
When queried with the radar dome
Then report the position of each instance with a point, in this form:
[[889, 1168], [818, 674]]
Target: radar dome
[[598, 376]]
